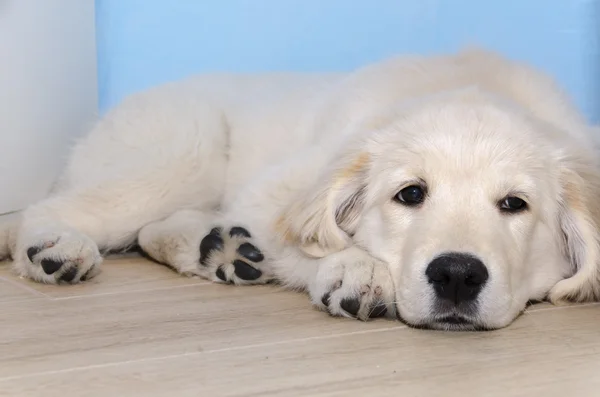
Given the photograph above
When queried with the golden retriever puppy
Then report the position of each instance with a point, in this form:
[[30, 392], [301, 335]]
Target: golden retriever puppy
[[447, 191]]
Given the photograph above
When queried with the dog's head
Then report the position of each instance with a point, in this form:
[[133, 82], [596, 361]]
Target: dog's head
[[476, 208]]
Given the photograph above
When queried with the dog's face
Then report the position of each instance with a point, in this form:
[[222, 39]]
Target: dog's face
[[463, 207], [476, 210]]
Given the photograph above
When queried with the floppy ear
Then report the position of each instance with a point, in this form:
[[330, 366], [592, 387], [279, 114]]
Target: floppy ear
[[323, 220], [579, 218]]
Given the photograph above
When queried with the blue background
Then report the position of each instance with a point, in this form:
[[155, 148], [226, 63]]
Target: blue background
[[145, 42]]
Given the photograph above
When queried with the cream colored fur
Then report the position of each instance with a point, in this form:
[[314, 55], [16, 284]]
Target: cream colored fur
[[310, 164]]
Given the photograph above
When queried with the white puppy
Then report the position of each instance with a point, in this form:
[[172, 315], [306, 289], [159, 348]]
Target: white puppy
[[447, 191]]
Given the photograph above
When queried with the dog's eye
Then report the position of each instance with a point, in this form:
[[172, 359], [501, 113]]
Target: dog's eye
[[512, 204], [411, 195]]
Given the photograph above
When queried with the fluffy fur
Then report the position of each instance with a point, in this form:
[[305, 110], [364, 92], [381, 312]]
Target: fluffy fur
[[310, 166]]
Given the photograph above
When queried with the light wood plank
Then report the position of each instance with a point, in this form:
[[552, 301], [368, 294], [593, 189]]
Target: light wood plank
[[549, 355], [52, 334]]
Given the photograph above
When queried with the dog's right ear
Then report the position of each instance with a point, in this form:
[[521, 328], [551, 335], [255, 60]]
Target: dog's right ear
[[323, 220], [579, 220]]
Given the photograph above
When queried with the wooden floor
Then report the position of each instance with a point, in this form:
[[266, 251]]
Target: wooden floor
[[140, 330]]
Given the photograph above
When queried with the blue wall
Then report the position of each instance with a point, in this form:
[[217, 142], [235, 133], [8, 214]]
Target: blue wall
[[145, 42]]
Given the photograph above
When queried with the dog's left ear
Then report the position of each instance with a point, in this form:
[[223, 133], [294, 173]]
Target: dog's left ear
[[579, 220], [324, 218]]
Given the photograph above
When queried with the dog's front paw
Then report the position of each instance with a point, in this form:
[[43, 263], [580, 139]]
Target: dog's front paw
[[65, 256], [353, 284], [228, 255]]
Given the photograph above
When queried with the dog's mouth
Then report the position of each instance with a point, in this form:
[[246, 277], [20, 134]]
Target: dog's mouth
[[454, 319], [451, 322]]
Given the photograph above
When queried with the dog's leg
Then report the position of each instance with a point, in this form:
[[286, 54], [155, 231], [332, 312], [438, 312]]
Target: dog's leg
[[60, 239], [191, 243], [57, 238], [175, 241], [151, 156]]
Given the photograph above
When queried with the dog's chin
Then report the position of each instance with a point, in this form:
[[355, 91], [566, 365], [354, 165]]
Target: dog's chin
[[452, 322]]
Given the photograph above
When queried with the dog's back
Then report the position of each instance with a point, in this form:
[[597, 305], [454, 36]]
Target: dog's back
[[407, 78]]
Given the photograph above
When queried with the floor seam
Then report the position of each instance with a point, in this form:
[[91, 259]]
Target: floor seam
[[25, 287], [73, 297], [198, 353]]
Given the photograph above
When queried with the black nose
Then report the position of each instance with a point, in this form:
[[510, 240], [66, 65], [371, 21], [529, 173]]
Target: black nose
[[457, 277]]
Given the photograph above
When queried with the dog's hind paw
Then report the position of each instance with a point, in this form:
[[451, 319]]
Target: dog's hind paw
[[61, 257]]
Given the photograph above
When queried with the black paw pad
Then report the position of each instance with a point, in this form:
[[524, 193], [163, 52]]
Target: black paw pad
[[250, 252], [239, 232], [245, 271], [50, 266], [69, 275], [210, 242], [216, 231], [221, 274], [351, 305], [33, 251], [378, 309], [325, 299]]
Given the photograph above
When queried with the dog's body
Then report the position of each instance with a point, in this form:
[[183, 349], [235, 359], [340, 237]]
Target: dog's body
[[303, 179]]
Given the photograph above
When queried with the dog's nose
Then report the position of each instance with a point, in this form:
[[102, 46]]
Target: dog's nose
[[457, 277]]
